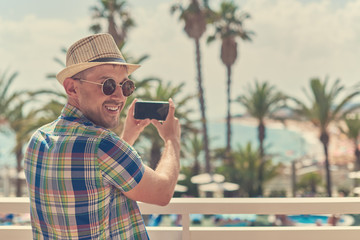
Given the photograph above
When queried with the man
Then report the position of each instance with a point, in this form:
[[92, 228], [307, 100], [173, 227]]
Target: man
[[83, 179]]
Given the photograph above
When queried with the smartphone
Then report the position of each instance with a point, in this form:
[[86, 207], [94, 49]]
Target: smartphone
[[151, 109]]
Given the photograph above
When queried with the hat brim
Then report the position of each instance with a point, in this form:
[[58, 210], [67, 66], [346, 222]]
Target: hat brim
[[74, 69]]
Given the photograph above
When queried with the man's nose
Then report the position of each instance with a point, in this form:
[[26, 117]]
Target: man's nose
[[118, 93]]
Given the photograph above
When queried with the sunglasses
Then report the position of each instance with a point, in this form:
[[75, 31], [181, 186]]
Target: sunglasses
[[109, 86]]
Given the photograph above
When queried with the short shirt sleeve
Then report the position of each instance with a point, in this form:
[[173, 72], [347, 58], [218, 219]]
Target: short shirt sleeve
[[120, 164]]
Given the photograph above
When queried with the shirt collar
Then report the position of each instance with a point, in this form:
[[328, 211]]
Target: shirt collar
[[71, 113]]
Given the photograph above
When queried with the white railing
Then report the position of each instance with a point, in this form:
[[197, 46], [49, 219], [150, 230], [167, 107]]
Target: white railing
[[187, 206]]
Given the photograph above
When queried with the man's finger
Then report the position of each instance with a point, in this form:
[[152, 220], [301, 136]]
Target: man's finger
[[155, 122], [171, 108], [132, 105], [145, 122]]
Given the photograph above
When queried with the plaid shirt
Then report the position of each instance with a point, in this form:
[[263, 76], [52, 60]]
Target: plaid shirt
[[76, 174]]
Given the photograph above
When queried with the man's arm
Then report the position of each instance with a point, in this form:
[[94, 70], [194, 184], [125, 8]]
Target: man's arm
[[157, 187]]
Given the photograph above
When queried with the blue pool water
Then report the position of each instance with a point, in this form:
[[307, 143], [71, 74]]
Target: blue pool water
[[310, 219]]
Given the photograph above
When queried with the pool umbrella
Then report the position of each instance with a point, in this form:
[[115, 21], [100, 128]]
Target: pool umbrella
[[180, 188], [354, 175], [215, 187], [356, 190], [181, 177], [207, 178]]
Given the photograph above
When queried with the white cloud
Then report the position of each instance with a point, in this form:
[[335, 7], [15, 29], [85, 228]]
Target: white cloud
[[160, 36], [32, 43], [294, 41]]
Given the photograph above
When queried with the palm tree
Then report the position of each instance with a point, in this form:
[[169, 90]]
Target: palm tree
[[6, 98], [162, 93], [322, 110], [261, 101], [112, 11], [195, 18], [352, 131], [20, 124], [7, 103], [245, 170], [51, 109], [309, 183], [228, 27], [16, 120], [194, 147]]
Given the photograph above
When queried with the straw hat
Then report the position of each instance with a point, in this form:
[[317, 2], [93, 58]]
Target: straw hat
[[93, 51]]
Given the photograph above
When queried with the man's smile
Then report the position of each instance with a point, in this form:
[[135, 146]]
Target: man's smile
[[114, 107]]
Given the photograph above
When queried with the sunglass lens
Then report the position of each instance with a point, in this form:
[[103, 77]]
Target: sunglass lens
[[128, 88], [109, 86]]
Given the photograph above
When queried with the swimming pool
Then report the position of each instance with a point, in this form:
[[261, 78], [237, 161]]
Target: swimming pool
[[307, 219]]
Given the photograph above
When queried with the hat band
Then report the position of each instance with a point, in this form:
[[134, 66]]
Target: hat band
[[108, 60]]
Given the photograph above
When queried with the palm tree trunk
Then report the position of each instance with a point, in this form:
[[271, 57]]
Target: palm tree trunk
[[112, 25], [19, 157], [261, 136], [196, 167], [228, 118], [357, 161], [202, 107], [155, 154], [324, 138], [357, 157]]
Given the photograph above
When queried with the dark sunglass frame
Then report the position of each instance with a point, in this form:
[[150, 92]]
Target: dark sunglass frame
[[127, 87]]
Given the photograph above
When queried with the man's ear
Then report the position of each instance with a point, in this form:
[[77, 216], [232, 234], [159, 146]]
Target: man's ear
[[70, 87]]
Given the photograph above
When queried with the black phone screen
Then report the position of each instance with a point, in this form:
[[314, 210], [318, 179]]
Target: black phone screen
[[151, 109]]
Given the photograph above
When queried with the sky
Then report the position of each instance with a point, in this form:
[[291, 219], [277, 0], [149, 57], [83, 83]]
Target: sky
[[295, 40]]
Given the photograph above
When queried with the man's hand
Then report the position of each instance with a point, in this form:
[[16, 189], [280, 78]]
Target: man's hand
[[170, 128], [133, 127]]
